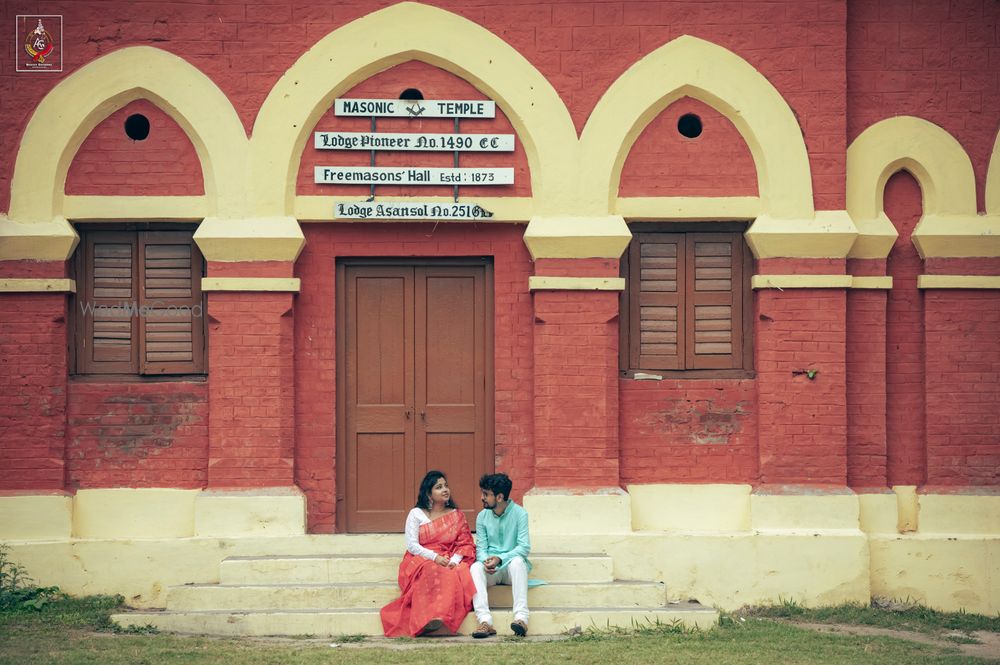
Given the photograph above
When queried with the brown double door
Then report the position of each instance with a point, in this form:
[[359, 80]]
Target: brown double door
[[415, 387]]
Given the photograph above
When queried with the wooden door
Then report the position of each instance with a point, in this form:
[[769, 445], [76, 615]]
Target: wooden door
[[415, 390]]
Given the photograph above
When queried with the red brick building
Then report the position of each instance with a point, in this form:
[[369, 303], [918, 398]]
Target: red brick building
[[743, 287]]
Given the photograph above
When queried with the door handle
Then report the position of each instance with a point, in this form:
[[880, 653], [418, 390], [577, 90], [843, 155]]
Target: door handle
[[423, 415], [407, 413]]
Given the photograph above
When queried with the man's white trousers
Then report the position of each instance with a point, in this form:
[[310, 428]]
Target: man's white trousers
[[514, 574]]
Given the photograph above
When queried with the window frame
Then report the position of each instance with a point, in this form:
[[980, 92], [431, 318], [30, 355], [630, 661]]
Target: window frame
[[81, 267], [628, 301]]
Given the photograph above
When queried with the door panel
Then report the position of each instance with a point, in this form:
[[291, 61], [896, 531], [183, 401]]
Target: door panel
[[414, 390], [379, 402], [450, 377]]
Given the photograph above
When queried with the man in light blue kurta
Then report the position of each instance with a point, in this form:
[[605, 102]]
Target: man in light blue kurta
[[502, 547]]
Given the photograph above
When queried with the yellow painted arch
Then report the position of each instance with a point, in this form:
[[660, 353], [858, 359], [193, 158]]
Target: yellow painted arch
[[397, 34], [931, 154], [993, 180], [71, 110], [692, 67]]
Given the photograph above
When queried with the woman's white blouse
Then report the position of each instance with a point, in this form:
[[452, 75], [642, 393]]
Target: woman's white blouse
[[414, 520]]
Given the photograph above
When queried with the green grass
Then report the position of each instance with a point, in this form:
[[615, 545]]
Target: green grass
[[906, 617], [75, 632]]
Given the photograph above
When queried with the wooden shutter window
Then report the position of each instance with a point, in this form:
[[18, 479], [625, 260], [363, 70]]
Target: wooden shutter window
[[106, 308], [656, 267], [714, 301], [684, 301], [140, 309], [171, 329]]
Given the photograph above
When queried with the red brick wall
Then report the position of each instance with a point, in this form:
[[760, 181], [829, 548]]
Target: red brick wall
[[315, 359], [580, 47], [866, 390], [929, 58], [663, 162], [689, 431], [802, 423], [434, 83], [137, 434], [251, 389], [963, 387], [110, 163], [576, 389], [905, 405], [33, 389]]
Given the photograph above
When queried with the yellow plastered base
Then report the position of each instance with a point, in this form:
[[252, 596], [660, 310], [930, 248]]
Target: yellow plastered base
[[266, 512], [806, 510], [558, 511], [947, 573], [36, 517], [690, 541], [959, 513], [690, 507], [133, 513]]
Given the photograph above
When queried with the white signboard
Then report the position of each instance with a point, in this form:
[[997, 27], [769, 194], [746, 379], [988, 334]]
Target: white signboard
[[409, 175], [408, 210], [415, 108], [414, 142]]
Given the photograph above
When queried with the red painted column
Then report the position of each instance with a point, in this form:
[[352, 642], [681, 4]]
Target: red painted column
[[576, 380], [803, 422], [962, 374], [906, 427], [251, 385], [866, 380], [33, 377]]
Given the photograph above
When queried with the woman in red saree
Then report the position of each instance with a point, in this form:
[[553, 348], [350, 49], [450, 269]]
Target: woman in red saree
[[434, 578]]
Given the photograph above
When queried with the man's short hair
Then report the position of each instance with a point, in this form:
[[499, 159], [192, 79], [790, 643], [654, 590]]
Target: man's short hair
[[498, 483]]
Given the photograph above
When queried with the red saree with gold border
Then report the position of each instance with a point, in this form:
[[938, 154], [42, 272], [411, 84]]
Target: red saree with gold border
[[430, 591]]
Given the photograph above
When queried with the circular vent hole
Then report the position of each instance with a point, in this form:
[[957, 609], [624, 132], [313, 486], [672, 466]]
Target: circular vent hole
[[411, 94], [137, 127], [689, 125]]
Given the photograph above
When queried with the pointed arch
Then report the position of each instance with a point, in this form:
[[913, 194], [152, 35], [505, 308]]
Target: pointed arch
[[950, 225], [71, 110], [692, 67], [397, 34], [932, 155], [993, 180]]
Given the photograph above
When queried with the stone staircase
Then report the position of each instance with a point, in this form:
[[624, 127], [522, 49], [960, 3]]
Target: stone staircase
[[331, 595]]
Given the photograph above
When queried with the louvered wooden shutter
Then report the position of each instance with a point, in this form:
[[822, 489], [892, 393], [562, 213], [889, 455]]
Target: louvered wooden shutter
[[656, 301], [714, 307], [171, 329], [105, 308]]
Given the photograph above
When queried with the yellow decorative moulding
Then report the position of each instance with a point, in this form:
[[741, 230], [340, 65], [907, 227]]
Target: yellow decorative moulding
[[540, 283], [802, 281], [37, 285], [251, 284], [958, 282]]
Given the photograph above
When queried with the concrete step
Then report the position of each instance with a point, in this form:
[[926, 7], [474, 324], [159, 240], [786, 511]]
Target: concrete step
[[544, 620], [197, 597], [375, 568]]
